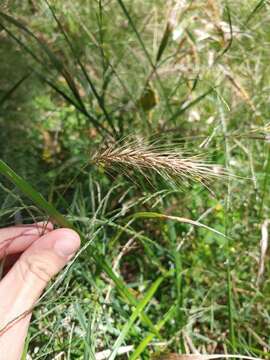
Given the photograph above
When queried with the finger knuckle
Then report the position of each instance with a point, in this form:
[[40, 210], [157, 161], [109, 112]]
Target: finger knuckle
[[34, 265]]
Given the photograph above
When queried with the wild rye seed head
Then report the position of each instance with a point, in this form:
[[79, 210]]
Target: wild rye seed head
[[167, 162]]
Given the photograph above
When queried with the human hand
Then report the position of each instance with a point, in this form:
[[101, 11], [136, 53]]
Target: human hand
[[41, 253]]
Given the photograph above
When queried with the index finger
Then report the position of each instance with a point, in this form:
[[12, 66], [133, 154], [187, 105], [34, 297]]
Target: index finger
[[16, 239]]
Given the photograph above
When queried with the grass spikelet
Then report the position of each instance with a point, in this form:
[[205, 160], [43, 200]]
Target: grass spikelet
[[168, 162]]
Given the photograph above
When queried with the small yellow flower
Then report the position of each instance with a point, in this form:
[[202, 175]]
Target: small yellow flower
[[218, 207]]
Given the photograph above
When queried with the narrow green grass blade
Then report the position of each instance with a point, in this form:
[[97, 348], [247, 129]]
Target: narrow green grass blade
[[125, 11], [231, 311], [83, 69], [13, 89], [154, 66], [50, 210], [21, 44], [145, 241], [265, 185], [190, 104], [176, 255], [77, 104], [123, 290], [154, 215], [141, 305], [164, 42], [84, 323], [231, 33], [80, 105], [23, 28], [59, 65], [99, 127], [25, 348], [32, 194], [257, 7], [142, 346], [2, 264]]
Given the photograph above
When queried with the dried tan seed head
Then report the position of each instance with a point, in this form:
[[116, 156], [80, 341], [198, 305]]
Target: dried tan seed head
[[167, 162]]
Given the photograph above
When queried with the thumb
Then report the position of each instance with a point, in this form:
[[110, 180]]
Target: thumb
[[24, 283], [39, 263]]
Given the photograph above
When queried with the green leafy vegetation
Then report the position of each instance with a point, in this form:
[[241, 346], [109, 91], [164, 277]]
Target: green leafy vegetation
[[166, 267]]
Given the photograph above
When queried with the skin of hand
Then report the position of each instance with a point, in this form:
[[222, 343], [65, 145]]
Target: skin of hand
[[33, 254]]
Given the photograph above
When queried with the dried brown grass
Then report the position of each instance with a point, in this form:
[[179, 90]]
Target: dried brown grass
[[167, 162]]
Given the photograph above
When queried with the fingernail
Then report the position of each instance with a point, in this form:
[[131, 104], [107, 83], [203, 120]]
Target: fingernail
[[67, 246]]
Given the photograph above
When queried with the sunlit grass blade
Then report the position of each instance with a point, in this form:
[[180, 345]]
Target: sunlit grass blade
[[139, 308], [153, 215], [142, 346]]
